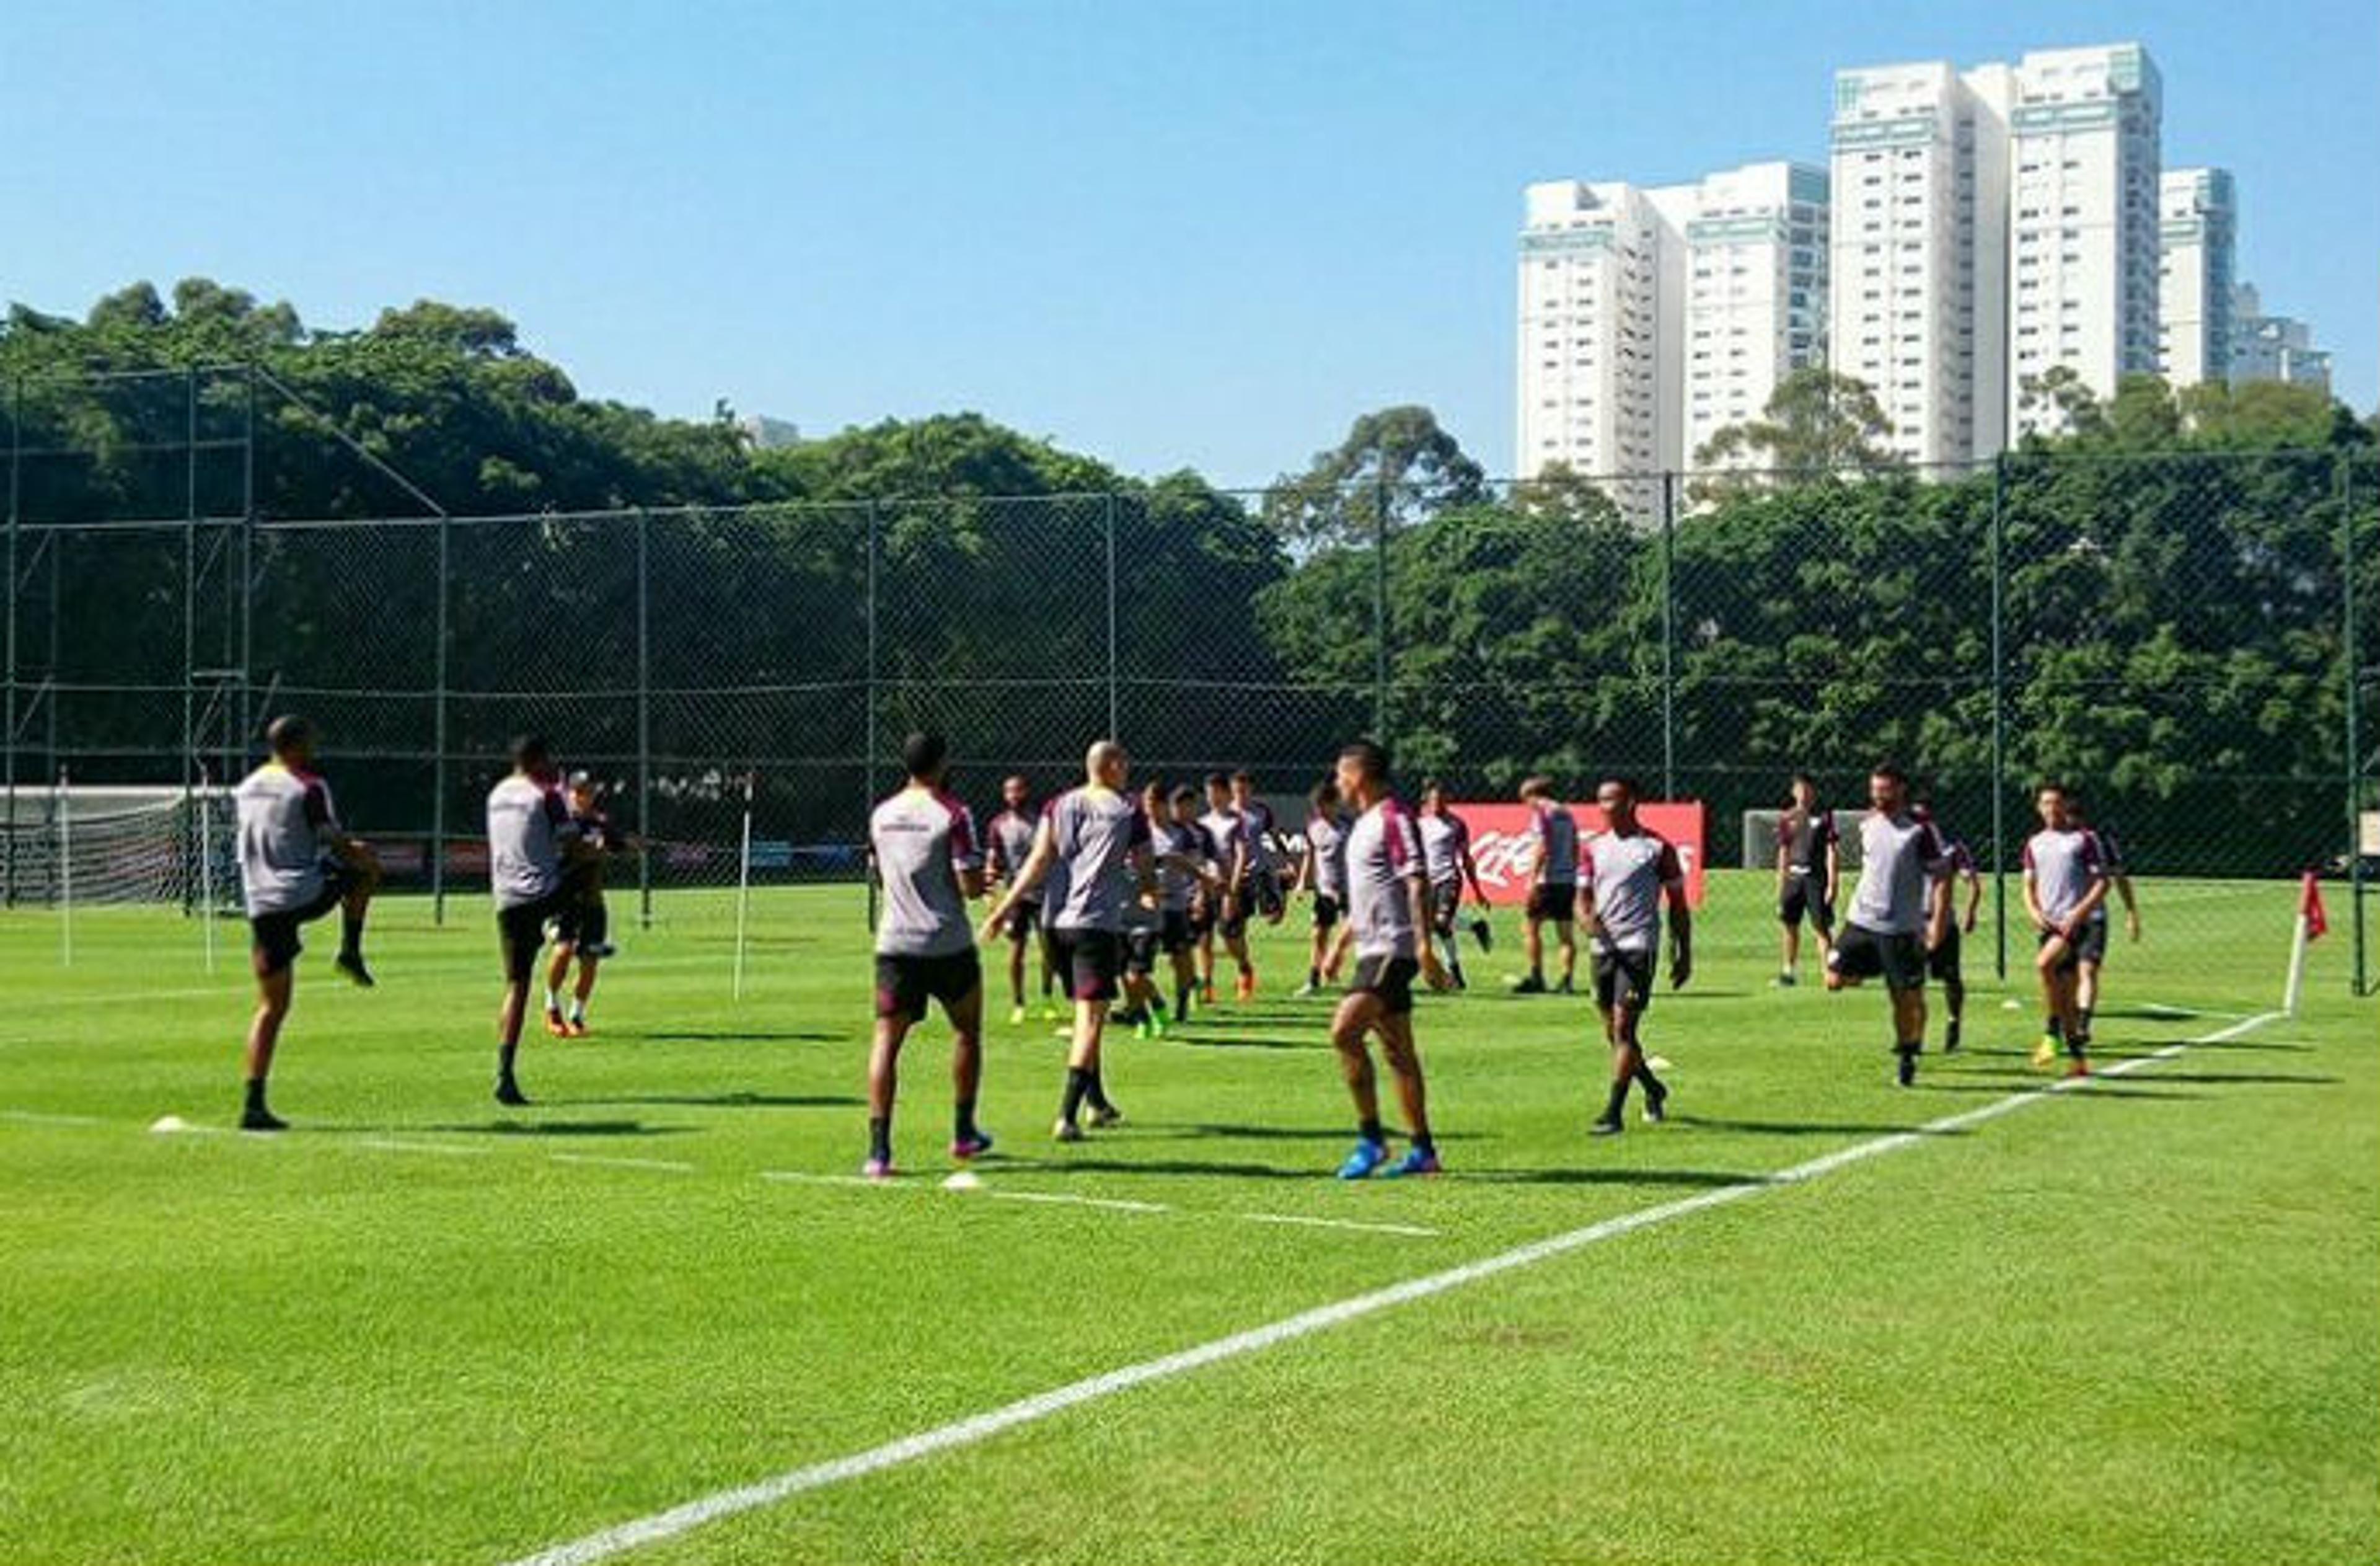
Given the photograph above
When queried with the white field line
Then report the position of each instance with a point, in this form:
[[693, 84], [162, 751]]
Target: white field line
[[448, 1149], [658, 1526], [36, 1117], [1308, 1222], [606, 1160], [1062, 1199]]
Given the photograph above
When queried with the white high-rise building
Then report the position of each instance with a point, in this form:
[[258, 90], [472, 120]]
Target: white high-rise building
[[2273, 347], [1601, 301], [2199, 225], [1917, 283], [2083, 221], [1755, 292]]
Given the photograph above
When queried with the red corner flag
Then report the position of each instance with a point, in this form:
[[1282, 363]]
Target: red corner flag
[[2317, 923]]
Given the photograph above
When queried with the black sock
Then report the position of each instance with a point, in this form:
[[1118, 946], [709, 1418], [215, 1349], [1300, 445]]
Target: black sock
[[1618, 1102], [351, 935], [1908, 1047], [1536, 973], [1095, 1090], [879, 1137], [1314, 978], [2082, 1022], [1454, 972], [1078, 1082], [1422, 1143], [256, 1095], [1181, 1000], [2052, 1028], [1653, 1085], [962, 1120], [1372, 1131], [504, 1053]]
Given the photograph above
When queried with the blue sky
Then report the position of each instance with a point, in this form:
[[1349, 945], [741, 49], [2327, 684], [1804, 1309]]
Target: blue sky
[[1201, 233]]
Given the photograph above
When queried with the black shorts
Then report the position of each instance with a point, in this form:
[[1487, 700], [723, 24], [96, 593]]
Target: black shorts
[[2091, 946], [1174, 931], [1623, 978], [1022, 921], [520, 931], [2077, 950], [1091, 961], [1262, 892], [1140, 951], [1556, 900], [274, 937], [1326, 912], [1861, 953], [903, 985], [1942, 962], [1391, 979], [584, 920], [1804, 895]]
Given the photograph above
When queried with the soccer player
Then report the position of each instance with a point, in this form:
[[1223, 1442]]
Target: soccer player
[[529, 834], [1008, 840], [1100, 839], [1553, 884], [2092, 952], [1809, 872], [1942, 964], [1143, 921], [1188, 884], [923, 845], [1227, 913], [1446, 851], [1263, 893], [1322, 871], [583, 929], [295, 865], [1898, 912], [1387, 906], [2064, 881], [1629, 870]]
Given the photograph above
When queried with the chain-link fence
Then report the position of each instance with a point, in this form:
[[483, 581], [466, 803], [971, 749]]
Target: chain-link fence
[[2187, 636]]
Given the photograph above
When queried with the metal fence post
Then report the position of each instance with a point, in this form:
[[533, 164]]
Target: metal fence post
[[1668, 636], [438, 785], [644, 719], [867, 773], [1380, 597], [1115, 726], [2352, 662], [1998, 565], [8, 740], [189, 605]]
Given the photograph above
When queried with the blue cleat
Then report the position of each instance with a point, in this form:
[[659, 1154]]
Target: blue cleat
[[1415, 1161], [1367, 1156]]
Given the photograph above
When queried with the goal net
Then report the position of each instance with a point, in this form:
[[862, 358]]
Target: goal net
[[89, 846]]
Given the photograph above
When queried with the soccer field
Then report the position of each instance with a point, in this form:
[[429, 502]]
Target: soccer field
[[2138, 1320]]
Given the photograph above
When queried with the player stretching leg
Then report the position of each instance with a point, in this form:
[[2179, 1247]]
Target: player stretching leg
[[1387, 906], [1628, 872], [1899, 912], [295, 865], [1098, 838], [2064, 882], [923, 842], [582, 932], [1553, 884], [529, 831]]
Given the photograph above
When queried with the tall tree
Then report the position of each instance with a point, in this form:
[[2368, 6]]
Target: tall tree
[[1816, 424], [1396, 468]]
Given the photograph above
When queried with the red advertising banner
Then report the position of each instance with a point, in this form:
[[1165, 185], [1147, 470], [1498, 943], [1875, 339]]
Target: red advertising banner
[[1500, 842]]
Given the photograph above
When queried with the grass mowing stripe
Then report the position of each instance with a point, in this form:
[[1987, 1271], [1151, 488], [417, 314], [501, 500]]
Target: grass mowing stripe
[[1304, 1222], [605, 1160], [660, 1526]]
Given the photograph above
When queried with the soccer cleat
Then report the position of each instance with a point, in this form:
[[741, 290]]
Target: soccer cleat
[[554, 1024], [1307, 990], [974, 1144], [1016, 1016], [259, 1118], [876, 1169], [508, 1093], [1246, 990], [1367, 1156], [1103, 1115], [1482, 934], [1567, 987], [2078, 1066], [2045, 1050], [1142, 1027], [1158, 1025], [1905, 1067], [1786, 981], [1049, 1012], [1606, 1125], [1656, 1105], [575, 1028], [1206, 992], [352, 965], [1950, 1039], [1532, 985], [1066, 1131], [1415, 1161], [599, 950]]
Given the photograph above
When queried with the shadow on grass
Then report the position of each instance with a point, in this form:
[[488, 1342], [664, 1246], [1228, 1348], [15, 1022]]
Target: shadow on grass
[[1318, 1039], [2262, 1078], [563, 1128], [1804, 1127], [726, 1100], [1152, 1133], [736, 1035]]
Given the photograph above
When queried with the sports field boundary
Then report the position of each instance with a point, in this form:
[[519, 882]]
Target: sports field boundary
[[673, 1521]]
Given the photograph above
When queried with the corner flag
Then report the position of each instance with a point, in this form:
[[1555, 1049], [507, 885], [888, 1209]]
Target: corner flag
[[2313, 925]]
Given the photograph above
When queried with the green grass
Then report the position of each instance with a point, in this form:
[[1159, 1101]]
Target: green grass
[[2136, 1323]]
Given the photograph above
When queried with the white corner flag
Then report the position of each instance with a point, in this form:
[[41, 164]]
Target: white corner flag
[[2313, 925]]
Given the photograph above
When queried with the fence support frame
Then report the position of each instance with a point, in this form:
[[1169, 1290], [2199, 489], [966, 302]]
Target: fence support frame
[[644, 718], [1668, 636], [2352, 662], [1998, 570]]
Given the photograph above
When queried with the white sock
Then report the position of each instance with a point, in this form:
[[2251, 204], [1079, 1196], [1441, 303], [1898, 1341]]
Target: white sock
[[552, 1002], [577, 1009]]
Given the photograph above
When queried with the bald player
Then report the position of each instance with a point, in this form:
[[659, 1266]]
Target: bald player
[[1098, 838], [1629, 872]]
